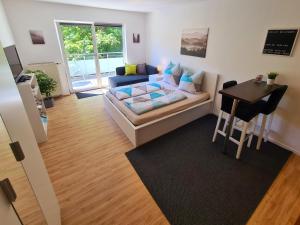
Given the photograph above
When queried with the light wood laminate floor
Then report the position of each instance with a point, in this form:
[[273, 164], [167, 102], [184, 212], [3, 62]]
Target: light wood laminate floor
[[96, 184]]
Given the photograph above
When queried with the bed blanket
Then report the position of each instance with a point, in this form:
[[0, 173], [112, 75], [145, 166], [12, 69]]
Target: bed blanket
[[124, 92], [145, 103]]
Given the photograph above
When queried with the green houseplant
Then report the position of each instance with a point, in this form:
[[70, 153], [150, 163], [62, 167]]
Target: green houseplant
[[271, 78], [47, 86]]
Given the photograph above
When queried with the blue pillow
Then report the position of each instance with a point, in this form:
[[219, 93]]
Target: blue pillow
[[191, 82], [168, 70]]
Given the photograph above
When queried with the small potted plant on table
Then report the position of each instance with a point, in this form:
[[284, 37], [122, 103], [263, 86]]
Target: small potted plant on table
[[271, 78], [47, 86]]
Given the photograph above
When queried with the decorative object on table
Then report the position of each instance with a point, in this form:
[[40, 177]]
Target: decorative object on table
[[259, 78], [37, 37], [271, 78], [47, 86], [159, 69], [194, 42], [280, 42], [136, 39]]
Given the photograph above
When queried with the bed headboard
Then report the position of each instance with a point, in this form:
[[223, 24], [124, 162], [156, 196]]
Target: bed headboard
[[210, 83]]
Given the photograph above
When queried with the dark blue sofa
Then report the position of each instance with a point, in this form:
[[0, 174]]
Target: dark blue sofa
[[121, 79]]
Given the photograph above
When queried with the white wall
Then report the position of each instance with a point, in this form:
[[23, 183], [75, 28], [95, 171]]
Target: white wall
[[5, 31], [25, 15], [236, 37]]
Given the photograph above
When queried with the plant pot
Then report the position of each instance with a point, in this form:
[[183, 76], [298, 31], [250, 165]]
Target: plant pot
[[49, 102], [270, 81]]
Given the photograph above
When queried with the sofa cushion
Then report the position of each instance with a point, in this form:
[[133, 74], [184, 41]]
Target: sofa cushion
[[126, 80], [141, 69], [120, 70], [151, 69], [130, 69]]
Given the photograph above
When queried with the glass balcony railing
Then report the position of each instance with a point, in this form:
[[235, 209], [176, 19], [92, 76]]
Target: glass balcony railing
[[83, 65]]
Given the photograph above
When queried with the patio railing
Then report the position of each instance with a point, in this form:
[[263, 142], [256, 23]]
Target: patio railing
[[82, 66]]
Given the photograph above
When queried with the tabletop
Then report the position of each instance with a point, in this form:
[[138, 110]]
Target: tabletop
[[250, 91]]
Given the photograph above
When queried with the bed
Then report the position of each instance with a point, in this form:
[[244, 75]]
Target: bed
[[145, 127]]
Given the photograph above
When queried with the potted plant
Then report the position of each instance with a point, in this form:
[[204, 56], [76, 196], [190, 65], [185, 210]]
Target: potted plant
[[271, 78], [47, 86]]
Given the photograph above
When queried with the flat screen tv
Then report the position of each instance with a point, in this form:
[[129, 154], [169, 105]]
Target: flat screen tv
[[13, 60]]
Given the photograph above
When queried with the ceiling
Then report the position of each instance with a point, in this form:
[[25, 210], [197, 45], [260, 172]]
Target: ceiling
[[128, 5]]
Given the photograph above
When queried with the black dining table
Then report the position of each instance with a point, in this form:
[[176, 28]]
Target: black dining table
[[250, 92]]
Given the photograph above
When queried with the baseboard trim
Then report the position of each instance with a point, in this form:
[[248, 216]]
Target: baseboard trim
[[287, 147]]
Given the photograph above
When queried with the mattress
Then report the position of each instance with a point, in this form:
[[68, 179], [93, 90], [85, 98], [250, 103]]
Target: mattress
[[191, 100]]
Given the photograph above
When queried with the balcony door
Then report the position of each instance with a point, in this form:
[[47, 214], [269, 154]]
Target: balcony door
[[91, 53], [109, 41]]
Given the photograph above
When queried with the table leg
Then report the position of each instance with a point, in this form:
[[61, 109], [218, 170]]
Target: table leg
[[229, 126]]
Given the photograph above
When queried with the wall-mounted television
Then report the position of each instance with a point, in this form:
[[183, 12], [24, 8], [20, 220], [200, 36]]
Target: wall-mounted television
[[14, 61]]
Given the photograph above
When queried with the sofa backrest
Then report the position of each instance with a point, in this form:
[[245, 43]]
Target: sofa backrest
[[149, 69]]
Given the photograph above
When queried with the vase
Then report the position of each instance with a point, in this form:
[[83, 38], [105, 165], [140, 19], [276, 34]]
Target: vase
[[270, 81], [49, 102]]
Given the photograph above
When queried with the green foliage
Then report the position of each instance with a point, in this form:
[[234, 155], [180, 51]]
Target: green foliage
[[47, 84], [272, 75], [78, 40]]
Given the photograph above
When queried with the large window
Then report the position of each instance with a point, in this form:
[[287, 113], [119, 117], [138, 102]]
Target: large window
[[93, 51]]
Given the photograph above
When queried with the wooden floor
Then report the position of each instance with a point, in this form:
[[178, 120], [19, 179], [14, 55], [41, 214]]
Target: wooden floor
[[96, 184]]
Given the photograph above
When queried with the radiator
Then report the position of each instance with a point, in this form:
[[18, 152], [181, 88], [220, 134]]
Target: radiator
[[53, 70]]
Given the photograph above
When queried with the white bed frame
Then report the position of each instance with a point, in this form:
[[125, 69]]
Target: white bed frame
[[146, 132]]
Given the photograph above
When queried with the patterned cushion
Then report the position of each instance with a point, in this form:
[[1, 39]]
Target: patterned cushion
[[168, 68], [172, 75], [191, 82]]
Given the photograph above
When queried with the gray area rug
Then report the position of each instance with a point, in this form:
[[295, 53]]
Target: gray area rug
[[193, 183]]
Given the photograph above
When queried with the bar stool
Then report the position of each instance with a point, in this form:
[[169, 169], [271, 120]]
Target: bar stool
[[267, 108], [245, 112]]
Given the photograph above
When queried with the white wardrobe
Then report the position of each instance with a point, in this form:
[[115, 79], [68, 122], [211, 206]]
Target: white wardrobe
[[18, 128]]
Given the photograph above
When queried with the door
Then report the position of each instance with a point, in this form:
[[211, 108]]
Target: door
[[91, 53], [109, 44], [26, 206], [80, 58]]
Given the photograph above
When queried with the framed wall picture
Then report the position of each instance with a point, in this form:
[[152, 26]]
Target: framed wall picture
[[37, 37], [136, 38], [280, 41], [194, 42]]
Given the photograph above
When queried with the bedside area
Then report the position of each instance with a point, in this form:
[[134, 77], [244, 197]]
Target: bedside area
[[155, 77]]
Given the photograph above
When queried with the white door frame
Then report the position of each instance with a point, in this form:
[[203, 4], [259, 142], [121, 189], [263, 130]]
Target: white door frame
[[96, 53]]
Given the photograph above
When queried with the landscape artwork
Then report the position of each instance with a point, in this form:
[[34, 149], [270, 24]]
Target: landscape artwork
[[37, 37], [194, 42]]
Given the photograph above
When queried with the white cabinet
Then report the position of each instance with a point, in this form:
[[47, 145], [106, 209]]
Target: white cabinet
[[35, 108]]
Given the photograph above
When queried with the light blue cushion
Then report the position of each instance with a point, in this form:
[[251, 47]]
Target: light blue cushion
[[191, 82], [172, 75], [168, 68]]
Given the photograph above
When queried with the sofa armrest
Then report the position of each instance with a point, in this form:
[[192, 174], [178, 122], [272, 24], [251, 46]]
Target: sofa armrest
[[120, 70], [151, 70]]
